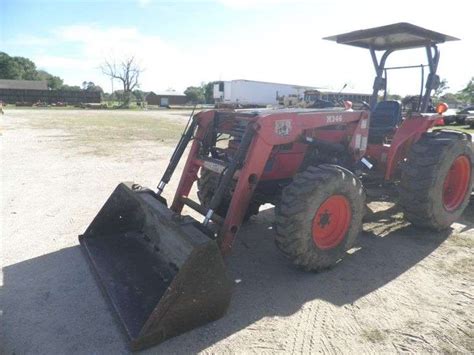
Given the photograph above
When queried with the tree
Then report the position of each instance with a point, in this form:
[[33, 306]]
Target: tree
[[27, 67], [467, 94], [9, 69], [90, 86], [54, 82], [17, 68], [195, 94], [208, 91], [70, 88], [139, 95], [128, 72], [450, 98], [117, 95], [443, 86], [20, 68], [106, 96]]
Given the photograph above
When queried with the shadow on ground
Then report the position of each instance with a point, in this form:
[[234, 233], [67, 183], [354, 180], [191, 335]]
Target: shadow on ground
[[51, 304]]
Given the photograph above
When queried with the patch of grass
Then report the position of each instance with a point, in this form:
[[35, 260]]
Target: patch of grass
[[102, 133], [374, 335]]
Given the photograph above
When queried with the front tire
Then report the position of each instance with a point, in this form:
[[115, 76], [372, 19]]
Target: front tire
[[319, 216], [437, 179], [207, 185]]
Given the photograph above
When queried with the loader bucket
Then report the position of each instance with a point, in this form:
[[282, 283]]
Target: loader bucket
[[162, 274]]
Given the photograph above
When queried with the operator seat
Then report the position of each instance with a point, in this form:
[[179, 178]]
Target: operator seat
[[384, 119]]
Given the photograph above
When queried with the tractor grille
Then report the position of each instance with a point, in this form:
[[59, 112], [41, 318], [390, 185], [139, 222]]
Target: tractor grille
[[239, 122], [238, 129]]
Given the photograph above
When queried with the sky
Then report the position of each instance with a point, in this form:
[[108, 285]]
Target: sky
[[184, 43]]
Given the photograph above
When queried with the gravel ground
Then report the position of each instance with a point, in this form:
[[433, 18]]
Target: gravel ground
[[401, 290]]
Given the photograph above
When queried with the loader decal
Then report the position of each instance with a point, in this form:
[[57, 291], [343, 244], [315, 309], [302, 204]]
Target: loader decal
[[333, 118], [283, 127]]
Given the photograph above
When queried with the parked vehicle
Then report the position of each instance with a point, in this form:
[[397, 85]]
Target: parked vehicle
[[470, 121], [450, 116], [249, 93], [462, 115]]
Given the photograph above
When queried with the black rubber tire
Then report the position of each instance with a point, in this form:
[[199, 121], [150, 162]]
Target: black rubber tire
[[207, 184], [423, 176], [300, 201]]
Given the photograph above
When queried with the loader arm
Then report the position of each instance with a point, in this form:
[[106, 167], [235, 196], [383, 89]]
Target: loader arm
[[261, 134]]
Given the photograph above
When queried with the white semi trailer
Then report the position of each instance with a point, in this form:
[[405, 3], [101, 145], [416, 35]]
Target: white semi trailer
[[254, 93]]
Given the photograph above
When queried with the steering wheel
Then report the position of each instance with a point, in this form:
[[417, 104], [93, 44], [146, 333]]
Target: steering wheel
[[365, 105]]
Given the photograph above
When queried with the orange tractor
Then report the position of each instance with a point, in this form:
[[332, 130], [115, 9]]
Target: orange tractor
[[164, 272]]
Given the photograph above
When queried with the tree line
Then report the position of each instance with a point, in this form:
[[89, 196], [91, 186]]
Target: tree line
[[128, 73], [21, 68], [466, 95], [202, 94]]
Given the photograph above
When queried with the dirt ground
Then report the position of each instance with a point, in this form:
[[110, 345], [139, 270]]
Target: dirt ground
[[400, 290]]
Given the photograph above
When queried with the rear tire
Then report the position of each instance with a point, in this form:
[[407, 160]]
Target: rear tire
[[319, 216], [437, 179]]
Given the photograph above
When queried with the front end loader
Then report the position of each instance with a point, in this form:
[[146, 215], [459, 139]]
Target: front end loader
[[163, 272]]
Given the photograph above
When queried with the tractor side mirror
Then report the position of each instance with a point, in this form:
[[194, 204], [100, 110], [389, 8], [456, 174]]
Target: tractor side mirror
[[379, 83], [433, 81]]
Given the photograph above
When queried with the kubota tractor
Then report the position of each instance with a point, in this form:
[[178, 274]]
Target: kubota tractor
[[164, 272]]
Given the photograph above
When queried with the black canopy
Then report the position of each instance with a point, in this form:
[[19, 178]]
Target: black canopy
[[396, 36]]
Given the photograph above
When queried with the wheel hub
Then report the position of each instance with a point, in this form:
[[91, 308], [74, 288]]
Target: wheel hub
[[456, 183], [331, 222], [324, 219]]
